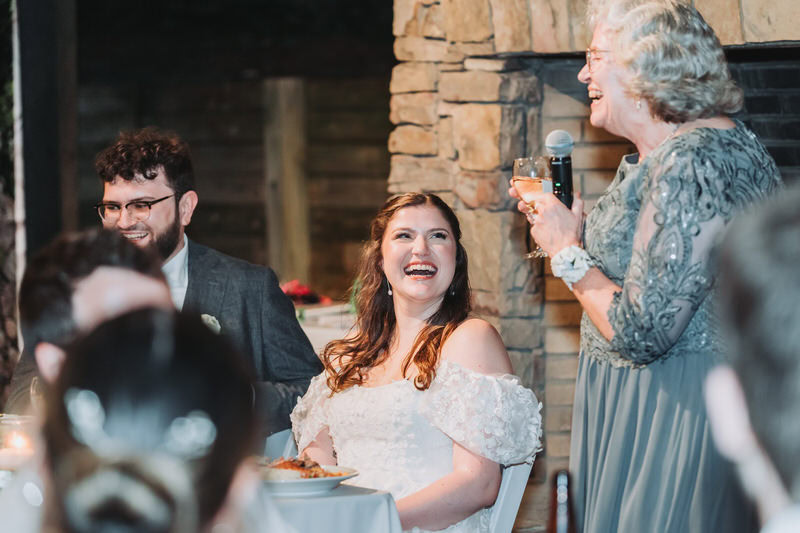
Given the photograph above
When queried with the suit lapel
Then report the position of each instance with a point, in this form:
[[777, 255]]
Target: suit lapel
[[207, 280]]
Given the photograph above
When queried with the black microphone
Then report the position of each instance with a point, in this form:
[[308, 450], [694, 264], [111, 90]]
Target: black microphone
[[559, 147]]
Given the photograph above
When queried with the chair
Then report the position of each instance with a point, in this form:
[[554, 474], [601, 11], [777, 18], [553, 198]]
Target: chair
[[504, 510], [280, 444]]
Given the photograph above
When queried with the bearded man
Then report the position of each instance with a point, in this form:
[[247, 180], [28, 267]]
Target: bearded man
[[149, 197]]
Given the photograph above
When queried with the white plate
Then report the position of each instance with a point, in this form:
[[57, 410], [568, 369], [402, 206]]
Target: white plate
[[291, 488]]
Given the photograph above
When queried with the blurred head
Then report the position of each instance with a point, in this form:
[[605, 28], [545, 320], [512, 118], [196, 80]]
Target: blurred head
[[82, 278], [759, 291], [409, 229], [146, 425], [148, 189], [669, 59], [110, 291]]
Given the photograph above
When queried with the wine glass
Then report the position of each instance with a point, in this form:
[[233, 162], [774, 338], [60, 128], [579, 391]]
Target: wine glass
[[37, 396], [531, 175]]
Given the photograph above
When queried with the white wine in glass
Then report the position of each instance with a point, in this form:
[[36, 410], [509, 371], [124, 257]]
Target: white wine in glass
[[530, 176]]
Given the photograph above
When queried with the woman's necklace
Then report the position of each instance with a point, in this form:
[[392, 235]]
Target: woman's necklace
[[671, 134]]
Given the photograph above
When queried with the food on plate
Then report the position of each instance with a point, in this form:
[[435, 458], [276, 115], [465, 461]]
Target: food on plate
[[297, 468]]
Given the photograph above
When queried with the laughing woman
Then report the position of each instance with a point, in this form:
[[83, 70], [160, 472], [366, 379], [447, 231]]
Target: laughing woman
[[420, 398], [642, 270]]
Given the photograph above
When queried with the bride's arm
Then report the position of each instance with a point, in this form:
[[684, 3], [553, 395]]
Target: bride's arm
[[321, 449], [475, 480], [471, 486]]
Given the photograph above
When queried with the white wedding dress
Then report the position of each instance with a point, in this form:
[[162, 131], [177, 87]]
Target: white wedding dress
[[401, 439]]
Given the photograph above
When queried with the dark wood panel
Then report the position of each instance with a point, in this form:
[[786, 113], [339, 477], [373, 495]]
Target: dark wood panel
[[249, 248], [233, 189], [96, 131], [358, 93], [340, 224], [225, 97], [228, 219], [329, 273], [348, 167], [237, 39], [349, 125], [362, 193], [213, 162], [101, 99], [207, 127], [353, 160]]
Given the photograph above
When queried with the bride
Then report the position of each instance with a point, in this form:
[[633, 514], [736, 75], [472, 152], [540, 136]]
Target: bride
[[420, 398]]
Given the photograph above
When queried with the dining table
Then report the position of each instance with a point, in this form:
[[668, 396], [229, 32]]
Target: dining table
[[344, 509]]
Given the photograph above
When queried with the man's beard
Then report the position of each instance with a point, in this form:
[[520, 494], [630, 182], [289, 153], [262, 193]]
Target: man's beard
[[166, 242]]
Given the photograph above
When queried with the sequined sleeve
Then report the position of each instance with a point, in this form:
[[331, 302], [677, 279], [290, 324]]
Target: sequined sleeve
[[686, 203]]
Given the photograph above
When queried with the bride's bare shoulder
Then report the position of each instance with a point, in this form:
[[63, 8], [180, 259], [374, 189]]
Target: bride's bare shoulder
[[476, 344]]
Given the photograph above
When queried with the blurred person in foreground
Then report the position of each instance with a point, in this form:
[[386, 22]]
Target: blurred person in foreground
[[419, 398], [146, 430], [149, 197], [754, 402], [641, 268], [75, 282]]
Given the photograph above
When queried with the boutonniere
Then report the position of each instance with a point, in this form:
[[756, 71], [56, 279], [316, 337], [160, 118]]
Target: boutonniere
[[211, 322]]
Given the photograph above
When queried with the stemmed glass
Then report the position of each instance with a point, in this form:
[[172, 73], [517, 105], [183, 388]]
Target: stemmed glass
[[531, 175], [37, 396]]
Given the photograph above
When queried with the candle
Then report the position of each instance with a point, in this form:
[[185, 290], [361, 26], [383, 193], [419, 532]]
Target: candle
[[17, 448]]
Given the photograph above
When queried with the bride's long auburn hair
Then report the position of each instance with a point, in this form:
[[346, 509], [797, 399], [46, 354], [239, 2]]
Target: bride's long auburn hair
[[347, 360]]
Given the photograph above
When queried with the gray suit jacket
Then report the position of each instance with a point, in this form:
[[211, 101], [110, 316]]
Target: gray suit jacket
[[260, 320]]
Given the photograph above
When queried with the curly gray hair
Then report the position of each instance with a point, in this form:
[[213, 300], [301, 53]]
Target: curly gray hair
[[675, 58]]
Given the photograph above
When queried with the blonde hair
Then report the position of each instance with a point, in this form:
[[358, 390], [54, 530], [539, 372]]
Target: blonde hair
[[676, 60]]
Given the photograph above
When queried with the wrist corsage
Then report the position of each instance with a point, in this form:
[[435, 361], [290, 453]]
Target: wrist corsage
[[571, 264]]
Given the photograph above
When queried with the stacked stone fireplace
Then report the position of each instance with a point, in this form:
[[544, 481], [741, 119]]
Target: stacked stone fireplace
[[480, 82]]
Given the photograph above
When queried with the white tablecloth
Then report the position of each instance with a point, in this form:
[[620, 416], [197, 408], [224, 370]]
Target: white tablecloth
[[345, 509]]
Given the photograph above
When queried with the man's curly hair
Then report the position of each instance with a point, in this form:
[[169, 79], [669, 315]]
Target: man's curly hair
[[143, 153]]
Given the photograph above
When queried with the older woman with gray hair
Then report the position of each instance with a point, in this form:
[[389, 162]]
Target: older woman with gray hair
[[640, 265]]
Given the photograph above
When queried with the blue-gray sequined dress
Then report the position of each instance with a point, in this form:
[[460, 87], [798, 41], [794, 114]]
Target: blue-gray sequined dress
[[642, 455]]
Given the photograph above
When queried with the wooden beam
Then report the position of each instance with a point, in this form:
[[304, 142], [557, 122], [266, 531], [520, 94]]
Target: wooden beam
[[287, 232]]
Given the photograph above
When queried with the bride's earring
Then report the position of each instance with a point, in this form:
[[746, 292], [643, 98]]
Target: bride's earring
[[638, 103], [390, 288]]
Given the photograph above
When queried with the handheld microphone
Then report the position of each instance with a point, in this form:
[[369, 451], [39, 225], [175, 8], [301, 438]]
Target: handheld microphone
[[559, 147]]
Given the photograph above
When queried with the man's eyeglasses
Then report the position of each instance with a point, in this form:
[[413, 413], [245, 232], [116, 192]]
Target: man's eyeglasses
[[592, 54], [138, 210]]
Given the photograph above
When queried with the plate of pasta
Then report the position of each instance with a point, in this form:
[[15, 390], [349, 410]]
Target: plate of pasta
[[289, 478]]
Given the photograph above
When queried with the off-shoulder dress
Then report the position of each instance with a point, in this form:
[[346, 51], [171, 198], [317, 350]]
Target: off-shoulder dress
[[400, 439]]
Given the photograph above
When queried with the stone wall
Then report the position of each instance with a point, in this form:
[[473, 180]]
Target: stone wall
[[471, 92], [475, 27]]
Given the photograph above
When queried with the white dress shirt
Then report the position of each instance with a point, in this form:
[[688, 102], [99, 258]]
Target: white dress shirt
[[177, 272]]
